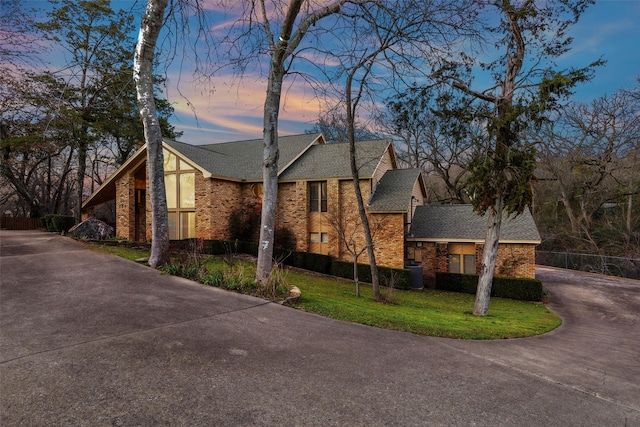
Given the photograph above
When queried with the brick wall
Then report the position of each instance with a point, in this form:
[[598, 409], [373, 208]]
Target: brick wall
[[125, 207], [221, 198], [389, 239], [217, 199], [513, 260], [292, 211], [516, 260]]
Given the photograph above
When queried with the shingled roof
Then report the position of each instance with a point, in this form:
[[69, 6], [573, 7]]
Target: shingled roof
[[333, 161], [458, 223], [242, 160], [393, 192], [302, 157]]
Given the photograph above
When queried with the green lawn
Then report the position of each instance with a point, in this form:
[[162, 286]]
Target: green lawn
[[426, 312], [122, 251]]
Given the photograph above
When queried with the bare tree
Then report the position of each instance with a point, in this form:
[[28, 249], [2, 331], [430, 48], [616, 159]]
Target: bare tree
[[436, 131], [590, 154], [348, 227], [275, 31], [394, 46]]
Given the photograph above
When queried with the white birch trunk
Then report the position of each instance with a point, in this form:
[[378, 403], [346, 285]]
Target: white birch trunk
[[143, 76], [269, 175], [281, 49]]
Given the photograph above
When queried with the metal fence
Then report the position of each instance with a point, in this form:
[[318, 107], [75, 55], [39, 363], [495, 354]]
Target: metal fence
[[611, 265]]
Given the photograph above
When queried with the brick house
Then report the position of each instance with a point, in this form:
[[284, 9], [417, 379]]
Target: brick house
[[208, 184], [451, 238]]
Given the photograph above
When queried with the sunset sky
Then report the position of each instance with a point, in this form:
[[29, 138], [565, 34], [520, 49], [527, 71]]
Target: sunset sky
[[233, 110]]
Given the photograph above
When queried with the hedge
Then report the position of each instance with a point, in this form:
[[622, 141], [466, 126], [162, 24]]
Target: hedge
[[318, 263], [221, 247], [58, 223], [46, 222], [305, 260], [503, 287], [345, 269]]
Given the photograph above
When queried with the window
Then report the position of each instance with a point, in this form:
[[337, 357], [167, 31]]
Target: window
[[318, 242], [469, 264], [187, 190], [170, 161], [171, 188], [318, 196], [257, 190], [315, 237], [180, 186], [462, 258], [454, 263]]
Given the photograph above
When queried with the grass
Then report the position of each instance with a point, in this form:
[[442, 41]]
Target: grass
[[426, 312], [131, 254]]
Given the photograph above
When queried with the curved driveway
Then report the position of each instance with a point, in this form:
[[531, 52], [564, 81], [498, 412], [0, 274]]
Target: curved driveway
[[91, 339]]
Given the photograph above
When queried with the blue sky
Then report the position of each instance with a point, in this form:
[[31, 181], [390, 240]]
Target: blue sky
[[609, 29], [233, 110]]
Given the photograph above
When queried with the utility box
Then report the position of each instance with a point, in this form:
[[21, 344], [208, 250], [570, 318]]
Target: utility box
[[415, 276]]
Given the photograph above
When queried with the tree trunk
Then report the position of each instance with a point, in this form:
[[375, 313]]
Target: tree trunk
[[269, 173], [143, 76], [355, 276], [566, 201], [280, 51], [628, 223], [489, 255], [375, 279], [82, 168]]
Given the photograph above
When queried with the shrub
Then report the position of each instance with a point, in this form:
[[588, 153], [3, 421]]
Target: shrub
[[517, 288], [284, 238], [215, 278], [310, 261], [398, 276], [503, 287], [48, 222], [214, 247], [58, 223], [249, 248], [244, 223]]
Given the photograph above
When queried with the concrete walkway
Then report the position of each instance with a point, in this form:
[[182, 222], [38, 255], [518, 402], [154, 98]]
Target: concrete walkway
[[91, 339]]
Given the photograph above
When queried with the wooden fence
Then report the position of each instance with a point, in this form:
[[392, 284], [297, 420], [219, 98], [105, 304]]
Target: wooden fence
[[11, 223]]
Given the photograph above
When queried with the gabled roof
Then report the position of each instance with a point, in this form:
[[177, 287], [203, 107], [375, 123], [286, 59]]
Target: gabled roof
[[394, 191], [459, 223], [236, 161], [302, 157], [333, 161], [242, 160]]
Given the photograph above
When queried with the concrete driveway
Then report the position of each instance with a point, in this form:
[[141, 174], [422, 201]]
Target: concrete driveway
[[91, 339]]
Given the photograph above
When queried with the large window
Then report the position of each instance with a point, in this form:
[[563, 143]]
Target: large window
[[180, 183], [318, 196]]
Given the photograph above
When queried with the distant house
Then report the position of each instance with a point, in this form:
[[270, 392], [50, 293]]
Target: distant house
[[208, 184]]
